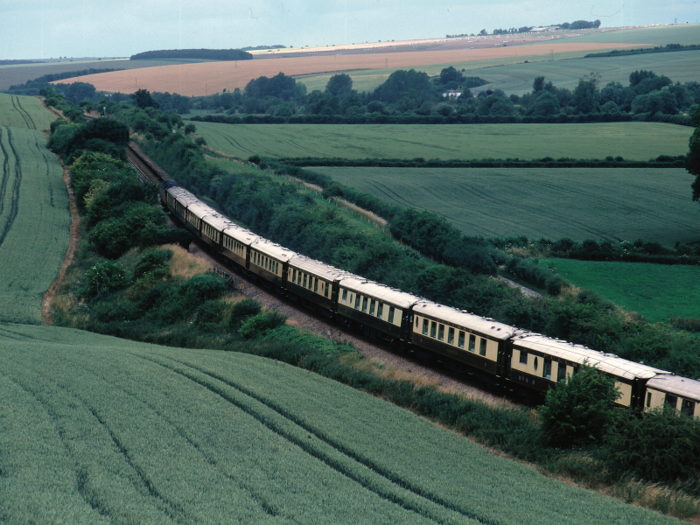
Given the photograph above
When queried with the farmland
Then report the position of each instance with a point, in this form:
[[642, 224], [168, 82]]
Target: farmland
[[24, 112], [614, 204], [214, 77], [631, 140], [96, 430], [656, 36], [655, 291], [34, 223]]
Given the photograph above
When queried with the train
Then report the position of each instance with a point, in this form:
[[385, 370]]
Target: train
[[514, 358]]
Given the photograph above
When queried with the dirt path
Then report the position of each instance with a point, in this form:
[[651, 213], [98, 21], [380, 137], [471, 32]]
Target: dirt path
[[72, 247]]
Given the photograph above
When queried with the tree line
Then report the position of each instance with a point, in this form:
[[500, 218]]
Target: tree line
[[193, 54]]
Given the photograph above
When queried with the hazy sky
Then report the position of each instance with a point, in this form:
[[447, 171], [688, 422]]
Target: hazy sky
[[107, 28]]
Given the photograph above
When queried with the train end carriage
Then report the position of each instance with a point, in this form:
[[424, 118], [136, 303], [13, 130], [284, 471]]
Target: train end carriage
[[269, 261], [678, 392], [538, 363], [314, 282], [163, 188], [213, 226], [380, 310], [463, 340], [235, 244]]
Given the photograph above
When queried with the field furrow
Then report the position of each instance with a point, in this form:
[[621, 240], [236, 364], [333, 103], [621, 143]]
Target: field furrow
[[24, 112]]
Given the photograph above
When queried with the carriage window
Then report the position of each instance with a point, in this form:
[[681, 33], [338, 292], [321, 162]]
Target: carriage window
[[535, 363], [441, 332], [380, 307], [433, 328], [315, 285], [371, 307], [425, 326], [364, 304], [345, 295], [561, 372], [304, 280], [482, 346], [327, 286], [547, 370], [357, 302], [648, 399], [451, 336], [672, 400], [472, 342], [416, 321], [391, 314], [523, 357], [688, 407], [460, 341]]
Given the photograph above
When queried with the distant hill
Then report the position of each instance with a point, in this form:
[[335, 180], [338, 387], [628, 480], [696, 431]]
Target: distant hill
[[196, 54]]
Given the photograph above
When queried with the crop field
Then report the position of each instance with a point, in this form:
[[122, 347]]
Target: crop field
[[631, 140], [656, 36], [213, 77], [34, 223], [99, 430], [655, 291], [24, 112], [681, 66], [16, 75], [616, 204]]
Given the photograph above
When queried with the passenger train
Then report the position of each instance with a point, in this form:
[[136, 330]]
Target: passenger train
[[514, 357]]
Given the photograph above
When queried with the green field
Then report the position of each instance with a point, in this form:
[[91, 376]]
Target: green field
[[655, 291], [602, 203], [681, 66], [24, 112], [631, 140], [34, 223], [657, 36], [100, 430]]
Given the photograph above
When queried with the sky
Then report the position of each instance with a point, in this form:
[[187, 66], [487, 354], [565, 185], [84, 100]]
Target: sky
[[39, 29]]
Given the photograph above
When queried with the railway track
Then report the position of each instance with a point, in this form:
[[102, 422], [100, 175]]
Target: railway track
[[407, 365]]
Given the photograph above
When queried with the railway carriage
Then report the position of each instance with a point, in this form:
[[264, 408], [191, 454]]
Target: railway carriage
[[316, 283], [235, 244], [380, 310], [194, 214], [269, 261], [462, 339], [213, 226], [177, 200], [681, 393], [539, 362]]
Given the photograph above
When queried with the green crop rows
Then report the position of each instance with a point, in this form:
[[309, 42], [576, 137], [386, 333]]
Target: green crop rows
[[34, 223], [24, 112], [99, 430], [603, 203], [631, 140], [655, 291]]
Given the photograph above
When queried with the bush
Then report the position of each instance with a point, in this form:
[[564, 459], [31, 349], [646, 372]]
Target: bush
[[103, 277], [579, 410], [201, 288], [210, 315], [154, 262], [243, 309], [260, 324], [659, 445]]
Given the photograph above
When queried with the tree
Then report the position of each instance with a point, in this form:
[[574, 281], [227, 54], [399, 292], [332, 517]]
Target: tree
[[546, 105], [143, 99], [586, 94], [339, 85], [692, 159], [579, 410], [450, 74]]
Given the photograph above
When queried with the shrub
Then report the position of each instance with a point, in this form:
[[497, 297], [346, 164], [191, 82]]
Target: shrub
[[260, 324], [659, 445], [243, 309], [201, 288], [103, 277], [579, 410], [154, 262], [209, 315]]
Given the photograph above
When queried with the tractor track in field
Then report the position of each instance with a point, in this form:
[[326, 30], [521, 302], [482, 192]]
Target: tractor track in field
[[14, 199]]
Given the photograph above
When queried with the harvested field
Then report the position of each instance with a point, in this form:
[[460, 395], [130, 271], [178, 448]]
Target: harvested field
[[213, 77]]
